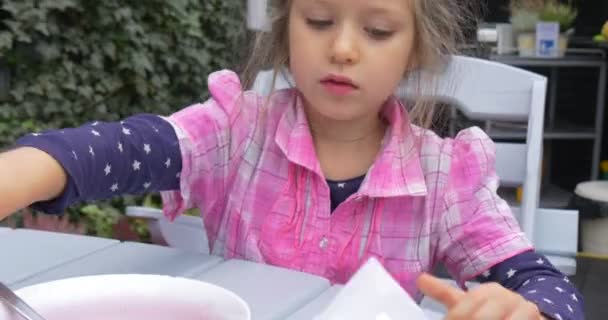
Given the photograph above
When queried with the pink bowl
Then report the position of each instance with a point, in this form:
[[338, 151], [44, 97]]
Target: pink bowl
[[131, 297]]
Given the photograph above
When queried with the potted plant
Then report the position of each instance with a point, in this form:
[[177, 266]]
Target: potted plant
[[564, 15], [525, 14], [524, 17], [603, 35]]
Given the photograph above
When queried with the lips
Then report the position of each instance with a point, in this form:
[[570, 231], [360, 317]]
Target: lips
[[339, 80], [338, 85]]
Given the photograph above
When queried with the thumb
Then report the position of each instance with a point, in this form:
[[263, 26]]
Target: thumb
[[439, 290]]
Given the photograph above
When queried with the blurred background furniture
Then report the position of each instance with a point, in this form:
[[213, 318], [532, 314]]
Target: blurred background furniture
[[591, 199]]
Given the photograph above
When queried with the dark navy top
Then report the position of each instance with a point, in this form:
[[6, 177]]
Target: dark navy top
[[341, 190]]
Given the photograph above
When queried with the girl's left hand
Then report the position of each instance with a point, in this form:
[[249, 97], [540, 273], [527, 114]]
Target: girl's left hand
[[489, 301]]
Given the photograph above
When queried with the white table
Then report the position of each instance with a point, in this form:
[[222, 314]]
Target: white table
[[312, 308], [126, 258], [315, 306], [27, 252], [31, 257], [271, 292]]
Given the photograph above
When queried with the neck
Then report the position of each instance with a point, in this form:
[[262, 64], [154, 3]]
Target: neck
[[345, 132], [346, 149]]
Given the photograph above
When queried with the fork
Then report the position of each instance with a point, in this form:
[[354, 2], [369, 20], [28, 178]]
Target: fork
[[12, 300]]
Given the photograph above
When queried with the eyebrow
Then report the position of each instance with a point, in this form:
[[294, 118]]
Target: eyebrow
[[383, 9]]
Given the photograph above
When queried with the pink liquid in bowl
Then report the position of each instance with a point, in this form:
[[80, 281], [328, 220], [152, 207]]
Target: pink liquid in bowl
[[131, 297], [150, 309]]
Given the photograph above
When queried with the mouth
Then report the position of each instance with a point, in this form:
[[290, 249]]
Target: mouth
[[339, 85]]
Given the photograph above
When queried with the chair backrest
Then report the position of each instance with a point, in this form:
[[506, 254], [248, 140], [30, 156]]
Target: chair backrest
[[488, 90], [483, 90]]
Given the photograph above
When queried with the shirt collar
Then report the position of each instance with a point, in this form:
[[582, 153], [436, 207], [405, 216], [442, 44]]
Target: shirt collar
[[397, 170]]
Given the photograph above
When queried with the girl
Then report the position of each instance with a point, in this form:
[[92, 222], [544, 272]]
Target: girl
[[322, 176]]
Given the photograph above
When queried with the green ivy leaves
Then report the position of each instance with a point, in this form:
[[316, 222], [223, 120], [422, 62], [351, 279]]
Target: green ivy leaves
[[74, 61]]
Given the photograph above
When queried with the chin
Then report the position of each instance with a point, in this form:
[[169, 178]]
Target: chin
[[334, 109], [339, 115]]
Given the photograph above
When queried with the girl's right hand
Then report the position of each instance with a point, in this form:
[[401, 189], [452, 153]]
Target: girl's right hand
[[489, 301]]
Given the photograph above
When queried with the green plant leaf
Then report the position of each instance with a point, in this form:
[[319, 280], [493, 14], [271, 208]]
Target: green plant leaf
[[74, 61]]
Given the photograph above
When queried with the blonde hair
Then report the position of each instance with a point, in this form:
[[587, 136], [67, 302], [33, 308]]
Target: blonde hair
[[439, 33]]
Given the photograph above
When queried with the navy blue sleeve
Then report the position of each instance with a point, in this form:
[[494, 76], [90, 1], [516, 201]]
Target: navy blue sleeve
[[536, 279], [105, 159]]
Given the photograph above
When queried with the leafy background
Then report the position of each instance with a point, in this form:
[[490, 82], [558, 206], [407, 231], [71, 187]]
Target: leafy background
[[67, 62]]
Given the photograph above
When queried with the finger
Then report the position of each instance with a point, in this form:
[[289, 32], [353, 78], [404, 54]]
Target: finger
[[491, 309], [437, 289], [525, 311], [468, 306], [487, 301]]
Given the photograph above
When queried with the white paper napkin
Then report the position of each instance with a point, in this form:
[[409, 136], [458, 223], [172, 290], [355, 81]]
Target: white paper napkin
[[372, 294]]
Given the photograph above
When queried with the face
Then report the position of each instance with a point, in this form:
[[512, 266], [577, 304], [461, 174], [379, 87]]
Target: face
[[348, 56]]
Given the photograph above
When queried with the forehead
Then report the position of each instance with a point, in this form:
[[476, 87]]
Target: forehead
[[395, 7]]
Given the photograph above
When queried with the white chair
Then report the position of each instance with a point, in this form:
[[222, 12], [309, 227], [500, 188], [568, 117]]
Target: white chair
[[485, 90], [482, 90], [185, 232]]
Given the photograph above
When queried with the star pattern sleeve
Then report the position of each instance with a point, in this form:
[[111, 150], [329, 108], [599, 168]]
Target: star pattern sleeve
[[536, 279], [105, 159]]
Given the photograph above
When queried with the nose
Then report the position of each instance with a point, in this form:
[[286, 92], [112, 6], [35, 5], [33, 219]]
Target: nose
[[345, 49]]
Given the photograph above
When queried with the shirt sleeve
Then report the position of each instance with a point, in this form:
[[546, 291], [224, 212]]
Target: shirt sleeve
[[212, 136], [106, 159], [476, 228], [536, 279]]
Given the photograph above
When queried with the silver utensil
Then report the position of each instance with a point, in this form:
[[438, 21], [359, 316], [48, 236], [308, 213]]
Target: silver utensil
[[12, 300]]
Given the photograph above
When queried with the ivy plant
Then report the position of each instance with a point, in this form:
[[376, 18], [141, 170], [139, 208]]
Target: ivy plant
[[67, 62]]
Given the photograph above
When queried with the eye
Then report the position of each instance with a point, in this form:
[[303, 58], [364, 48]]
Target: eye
[[319, 23], [379, 34]]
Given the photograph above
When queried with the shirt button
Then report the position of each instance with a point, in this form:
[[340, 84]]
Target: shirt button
[[323, 243]]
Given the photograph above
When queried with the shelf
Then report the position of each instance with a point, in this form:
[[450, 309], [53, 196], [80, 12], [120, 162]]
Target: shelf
[[561, 131], [573, 58]]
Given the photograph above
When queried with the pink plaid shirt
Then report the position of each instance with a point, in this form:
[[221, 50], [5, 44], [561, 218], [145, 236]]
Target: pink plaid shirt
[[249, 165]]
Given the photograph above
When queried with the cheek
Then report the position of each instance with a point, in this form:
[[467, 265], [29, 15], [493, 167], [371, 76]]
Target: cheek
[[394, 67], [387, 80], [404, 53], [399, 59], [302, 55], [297, 64], [297, 47]]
